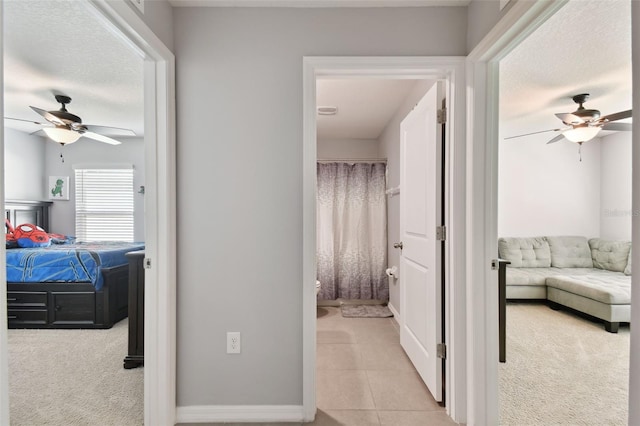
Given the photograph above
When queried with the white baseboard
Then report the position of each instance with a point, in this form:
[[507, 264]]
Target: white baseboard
[[239, 413], [395, 313]]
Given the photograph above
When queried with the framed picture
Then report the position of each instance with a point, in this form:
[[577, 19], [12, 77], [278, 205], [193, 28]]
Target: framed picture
[[58, 188]]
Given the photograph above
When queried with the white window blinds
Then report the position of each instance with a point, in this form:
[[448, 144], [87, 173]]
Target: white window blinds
[[104, 204]]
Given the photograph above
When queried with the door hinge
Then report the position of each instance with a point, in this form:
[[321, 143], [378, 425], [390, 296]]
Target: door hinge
[[495, 265], [441, 233], [441, 350], [147, 263], [442, 115]]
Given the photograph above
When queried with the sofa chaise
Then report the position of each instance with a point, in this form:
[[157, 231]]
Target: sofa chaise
[[590, 276]]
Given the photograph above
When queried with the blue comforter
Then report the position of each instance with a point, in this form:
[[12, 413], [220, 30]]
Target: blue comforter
[[76, 262]]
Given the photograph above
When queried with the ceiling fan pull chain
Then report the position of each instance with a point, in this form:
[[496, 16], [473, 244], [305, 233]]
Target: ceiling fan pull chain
[[61, 157], [579, 151]]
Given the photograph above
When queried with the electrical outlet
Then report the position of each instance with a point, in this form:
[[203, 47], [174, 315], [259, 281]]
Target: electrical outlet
[[233, 342]]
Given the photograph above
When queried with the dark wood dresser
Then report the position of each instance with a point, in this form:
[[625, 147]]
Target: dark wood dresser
[[135, 357]]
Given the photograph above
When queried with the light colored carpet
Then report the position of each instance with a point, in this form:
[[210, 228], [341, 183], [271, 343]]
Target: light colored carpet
[[73, 377], [562, 369], [365, 311]]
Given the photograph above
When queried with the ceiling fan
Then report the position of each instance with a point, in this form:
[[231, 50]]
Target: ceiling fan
[[65, 128], [584, 124]]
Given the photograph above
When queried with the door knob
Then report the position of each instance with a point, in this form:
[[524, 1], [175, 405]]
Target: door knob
[[398, 245]]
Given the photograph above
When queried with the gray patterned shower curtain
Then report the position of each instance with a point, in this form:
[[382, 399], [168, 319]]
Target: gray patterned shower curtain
[[352, 231]]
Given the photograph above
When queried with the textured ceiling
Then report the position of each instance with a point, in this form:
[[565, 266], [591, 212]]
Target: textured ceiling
[[60, 47], [584, 48], [365, 106], [317, 3]]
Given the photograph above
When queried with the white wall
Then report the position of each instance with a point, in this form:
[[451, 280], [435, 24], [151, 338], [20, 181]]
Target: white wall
[[634, 372], [340, 149], [615, 187], [545, 189], [87, 151], [239, 165], [24, 166], [390, 149]]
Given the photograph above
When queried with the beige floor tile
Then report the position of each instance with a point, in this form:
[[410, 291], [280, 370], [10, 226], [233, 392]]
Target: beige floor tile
[[380, 336], [339, 356], [400, 390], [335, 336], [343, 390], [384, 356], [415, 418], [239, 424], [395, 325], [346, 418]]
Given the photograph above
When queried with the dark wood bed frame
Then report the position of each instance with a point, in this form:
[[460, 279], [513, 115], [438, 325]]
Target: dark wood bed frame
[[63, 305]]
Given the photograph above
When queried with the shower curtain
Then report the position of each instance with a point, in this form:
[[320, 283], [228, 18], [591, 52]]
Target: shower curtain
[[352, 231]]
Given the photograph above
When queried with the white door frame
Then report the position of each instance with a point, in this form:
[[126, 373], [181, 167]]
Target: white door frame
[[160, 216], [482, 202], [451, 69]]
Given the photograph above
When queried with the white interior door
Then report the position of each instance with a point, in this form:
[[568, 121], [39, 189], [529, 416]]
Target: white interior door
[[420, 261]]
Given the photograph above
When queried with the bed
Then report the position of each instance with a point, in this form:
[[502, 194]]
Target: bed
[[77, 285]]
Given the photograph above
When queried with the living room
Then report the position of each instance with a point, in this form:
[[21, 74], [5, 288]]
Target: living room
[[562, 366]]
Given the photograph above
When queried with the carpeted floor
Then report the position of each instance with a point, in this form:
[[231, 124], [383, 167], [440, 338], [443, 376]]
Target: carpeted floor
[[73, 377], [562, 369]]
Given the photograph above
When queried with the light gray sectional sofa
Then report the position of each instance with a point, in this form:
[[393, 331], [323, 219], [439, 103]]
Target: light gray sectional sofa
[[591, 276]]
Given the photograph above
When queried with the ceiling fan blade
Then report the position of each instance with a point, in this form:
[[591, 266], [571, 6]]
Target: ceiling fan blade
[[38, 133], [617, 116], [534, 133], [26, 121], [568, 118], [100, 138], [556, 139], [48, 116], [618, 127], [108, 131]]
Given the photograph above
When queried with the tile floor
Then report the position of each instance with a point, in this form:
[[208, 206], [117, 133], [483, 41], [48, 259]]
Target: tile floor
[[364, 377]]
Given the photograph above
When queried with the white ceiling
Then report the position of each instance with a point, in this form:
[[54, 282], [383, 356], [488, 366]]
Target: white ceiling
[[55, 46], [60, 46], [365, 106], [584, 48], [316, 3]]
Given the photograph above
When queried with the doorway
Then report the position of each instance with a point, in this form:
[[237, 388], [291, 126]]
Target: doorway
[[581, 186], [483, 70], [450, 70], [159, 217]]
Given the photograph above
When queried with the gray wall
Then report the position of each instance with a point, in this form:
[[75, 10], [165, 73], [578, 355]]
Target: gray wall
[[86, 151], [390, 149], [482, 16], [24, 166], [239, 159], [158, 15]]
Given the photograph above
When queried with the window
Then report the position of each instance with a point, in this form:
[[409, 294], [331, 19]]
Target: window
[[104, 204]]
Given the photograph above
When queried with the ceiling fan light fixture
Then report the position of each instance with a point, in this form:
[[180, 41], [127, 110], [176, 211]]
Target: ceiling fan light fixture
[[61, 135], [581, 134]]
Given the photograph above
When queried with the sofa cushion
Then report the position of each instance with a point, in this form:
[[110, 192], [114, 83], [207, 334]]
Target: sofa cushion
[[609, 289], [525, 252], [529, 276], [570, 252], [609, 255], [627, 269]]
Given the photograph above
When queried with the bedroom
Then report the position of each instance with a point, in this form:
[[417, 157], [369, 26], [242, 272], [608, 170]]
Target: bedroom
[[35, 70], [565, 189]]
